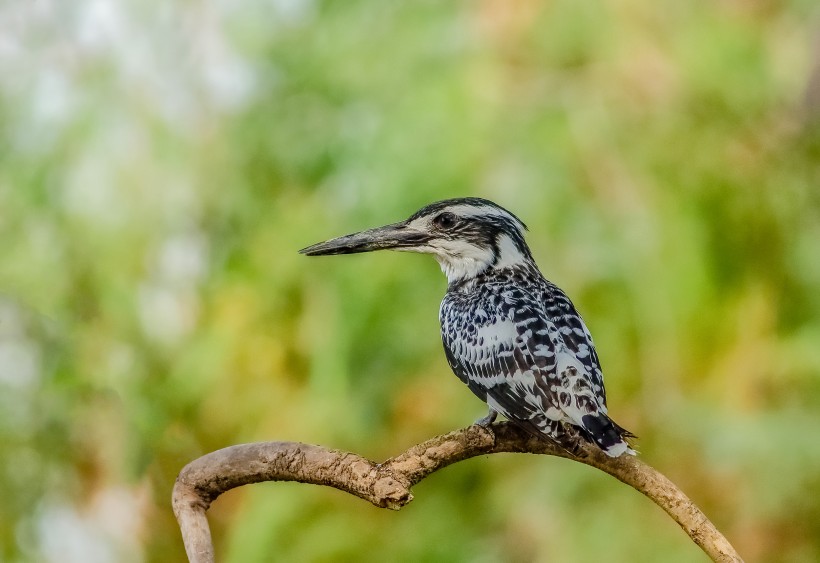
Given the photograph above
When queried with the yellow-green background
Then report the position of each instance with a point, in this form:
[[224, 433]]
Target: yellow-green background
[[162, 162]]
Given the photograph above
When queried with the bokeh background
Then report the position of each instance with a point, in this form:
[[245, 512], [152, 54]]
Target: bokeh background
[[162, 162]]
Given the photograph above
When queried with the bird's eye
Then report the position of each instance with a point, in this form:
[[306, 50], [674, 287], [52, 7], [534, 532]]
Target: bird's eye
[[445, 220]]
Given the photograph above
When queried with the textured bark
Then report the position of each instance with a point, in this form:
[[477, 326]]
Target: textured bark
[[388, 484]]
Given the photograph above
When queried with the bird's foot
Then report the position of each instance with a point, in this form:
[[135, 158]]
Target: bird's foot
[[568, 439], [487, 420]]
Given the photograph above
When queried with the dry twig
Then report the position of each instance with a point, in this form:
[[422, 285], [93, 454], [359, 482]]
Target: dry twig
[[387, 485]]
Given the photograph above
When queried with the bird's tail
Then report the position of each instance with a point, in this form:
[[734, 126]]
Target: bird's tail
[[611, 438]]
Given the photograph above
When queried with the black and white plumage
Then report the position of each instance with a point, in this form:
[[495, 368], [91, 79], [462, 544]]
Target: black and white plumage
[[513, 337]]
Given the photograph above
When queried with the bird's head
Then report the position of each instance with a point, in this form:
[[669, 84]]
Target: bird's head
[[468, 237]]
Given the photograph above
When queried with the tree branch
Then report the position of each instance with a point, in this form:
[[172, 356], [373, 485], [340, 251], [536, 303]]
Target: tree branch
[[387, 485]]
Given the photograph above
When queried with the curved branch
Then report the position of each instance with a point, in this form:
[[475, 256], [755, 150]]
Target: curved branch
[[387, 485]]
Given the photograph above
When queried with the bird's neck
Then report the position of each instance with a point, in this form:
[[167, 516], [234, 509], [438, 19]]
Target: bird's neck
[[474, 261], [462, 269], [521, 273]]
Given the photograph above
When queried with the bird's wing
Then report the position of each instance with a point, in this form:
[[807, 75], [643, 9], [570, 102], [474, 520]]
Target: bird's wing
[[495, 368], [550, 368], [520, 365], [575, 337]]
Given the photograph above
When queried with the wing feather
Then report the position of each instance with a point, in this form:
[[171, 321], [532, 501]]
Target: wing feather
[[525, 366]]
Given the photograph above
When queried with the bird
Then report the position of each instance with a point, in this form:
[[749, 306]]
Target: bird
[[513, 337]]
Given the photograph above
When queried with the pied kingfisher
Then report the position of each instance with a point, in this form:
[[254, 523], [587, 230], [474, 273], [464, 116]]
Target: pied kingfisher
[[513, 337]]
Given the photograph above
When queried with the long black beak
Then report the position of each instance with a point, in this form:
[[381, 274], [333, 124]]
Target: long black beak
[[396, 236]]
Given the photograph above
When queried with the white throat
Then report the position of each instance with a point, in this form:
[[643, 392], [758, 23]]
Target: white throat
[[460, 268], [462, 261]]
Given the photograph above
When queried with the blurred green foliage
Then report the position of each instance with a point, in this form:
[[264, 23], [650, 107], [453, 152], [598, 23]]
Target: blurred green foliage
[[161, 163]]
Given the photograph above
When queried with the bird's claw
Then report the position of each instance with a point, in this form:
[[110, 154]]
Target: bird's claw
[[486, 421]]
